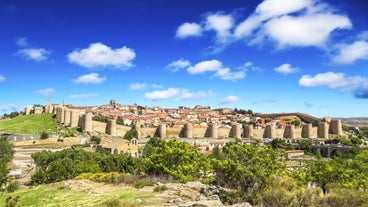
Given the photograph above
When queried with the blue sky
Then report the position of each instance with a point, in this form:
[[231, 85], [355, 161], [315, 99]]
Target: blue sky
[[307, 56]]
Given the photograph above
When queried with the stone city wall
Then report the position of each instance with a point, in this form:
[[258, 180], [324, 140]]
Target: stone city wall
[[73, 117]]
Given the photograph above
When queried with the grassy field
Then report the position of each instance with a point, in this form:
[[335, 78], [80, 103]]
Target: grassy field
[[59, 194], [29, 124]]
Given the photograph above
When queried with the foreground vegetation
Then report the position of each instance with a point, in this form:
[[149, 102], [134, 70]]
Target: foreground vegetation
[[254, 173], [60, 194]]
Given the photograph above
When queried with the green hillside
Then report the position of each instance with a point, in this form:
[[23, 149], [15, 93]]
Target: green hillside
[[29, 124]]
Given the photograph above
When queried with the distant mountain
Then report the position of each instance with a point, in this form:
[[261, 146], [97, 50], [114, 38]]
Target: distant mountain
[[355, 121]]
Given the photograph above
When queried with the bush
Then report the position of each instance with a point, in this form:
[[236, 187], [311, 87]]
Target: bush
[[160, 188], [12, 202], [96, 139], [112, 202], [12, 186], [143, 182], [44, 135]]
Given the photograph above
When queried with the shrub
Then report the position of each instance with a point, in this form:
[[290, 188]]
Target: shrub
[[96, 139], [112, 202], [143, 182], [160, 188], [12, 202], [44, 135], [12, 186]]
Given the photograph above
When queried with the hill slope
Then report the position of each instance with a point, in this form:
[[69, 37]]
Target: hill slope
[[29, 124]]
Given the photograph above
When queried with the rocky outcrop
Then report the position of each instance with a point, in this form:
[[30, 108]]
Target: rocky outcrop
[[192, 194]]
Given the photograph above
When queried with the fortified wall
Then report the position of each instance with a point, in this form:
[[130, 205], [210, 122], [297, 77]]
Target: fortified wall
[[75, 117]]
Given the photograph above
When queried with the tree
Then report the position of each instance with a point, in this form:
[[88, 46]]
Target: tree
[[245, 167], [132, 133], [306, 145], [175, 158], [7, 153]]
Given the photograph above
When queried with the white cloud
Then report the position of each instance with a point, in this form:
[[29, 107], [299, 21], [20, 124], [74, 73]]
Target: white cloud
[[2, 78], [36, 54], [218, 69], [177, 93], [83, 95], [137, 86], [205, 66], [178, 65], [286, 69], [46, 91], [226, 74], [100, 55], [306, 30], [22, 42], [162, 94], [9, 107], [350, 53], [189, 29], [230, 99], [296, 23], [272, 8], [334, 81], [221, 24], [93, 78]]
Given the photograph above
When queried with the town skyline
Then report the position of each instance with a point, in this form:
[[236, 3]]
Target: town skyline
[[270, 56]]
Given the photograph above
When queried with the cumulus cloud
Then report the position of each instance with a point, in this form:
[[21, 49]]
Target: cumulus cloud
[[188, 29], [221, 24], [177, 93], [100, 55], [83, 95], [46, 91], [9, 107], [226, 74], [230, 99], [177, 65], [355, 84], [162, 94], [297, 23], [205, 66], [2, 78], [217, 67], [137, 86], [308, 30], [36, 54], [286, 69], [348, 54], [93, 78]]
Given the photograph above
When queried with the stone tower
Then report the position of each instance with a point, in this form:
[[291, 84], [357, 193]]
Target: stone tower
[[236, 129], [74, 118], [213, 131], [162, 131], [248, 131], [307, 131], [270, 131], [289, 131], [111, 127], [322, 131], [189, 130], [336, 127], [87, 124], [67, 116]]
